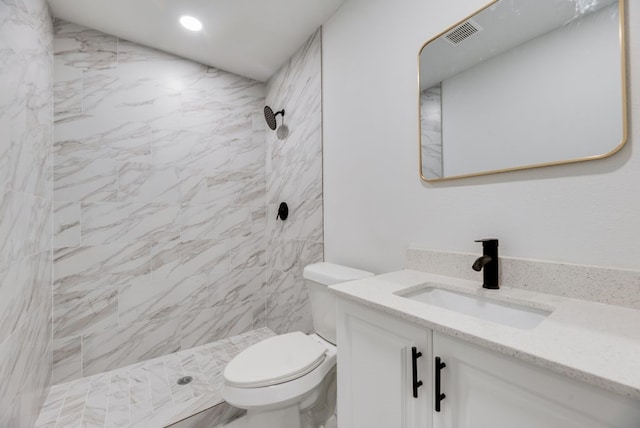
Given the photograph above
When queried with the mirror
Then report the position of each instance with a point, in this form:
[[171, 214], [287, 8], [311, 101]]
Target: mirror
[[523, 84]]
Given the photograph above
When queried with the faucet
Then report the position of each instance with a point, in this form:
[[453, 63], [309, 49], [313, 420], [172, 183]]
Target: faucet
[[488, 262]]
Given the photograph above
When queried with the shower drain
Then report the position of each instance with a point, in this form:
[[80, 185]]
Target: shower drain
[[185, 380]]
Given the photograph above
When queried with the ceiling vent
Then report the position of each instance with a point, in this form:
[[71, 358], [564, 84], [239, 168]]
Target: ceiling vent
[[462, 32]]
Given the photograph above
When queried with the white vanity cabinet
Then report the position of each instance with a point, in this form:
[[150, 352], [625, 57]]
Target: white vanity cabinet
[[482, 388], [375, 370], [486, 389]]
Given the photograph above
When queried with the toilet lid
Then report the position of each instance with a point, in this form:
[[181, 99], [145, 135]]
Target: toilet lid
[[275, 360]]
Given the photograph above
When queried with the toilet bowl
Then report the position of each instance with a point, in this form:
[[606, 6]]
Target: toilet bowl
[[287, 378]]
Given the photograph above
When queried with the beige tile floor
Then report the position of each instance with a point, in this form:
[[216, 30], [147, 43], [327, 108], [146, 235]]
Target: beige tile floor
[[146, 394]]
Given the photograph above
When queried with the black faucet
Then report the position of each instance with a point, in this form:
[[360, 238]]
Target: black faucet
[[488, 262]]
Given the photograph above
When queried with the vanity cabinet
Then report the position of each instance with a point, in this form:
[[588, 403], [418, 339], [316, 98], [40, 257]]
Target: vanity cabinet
[[482, 388], [375, 370], [486, 389]]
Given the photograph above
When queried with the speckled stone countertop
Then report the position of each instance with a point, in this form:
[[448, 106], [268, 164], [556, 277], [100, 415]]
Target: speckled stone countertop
[[596, 343]]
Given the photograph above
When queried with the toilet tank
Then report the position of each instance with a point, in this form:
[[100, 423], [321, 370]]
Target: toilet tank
[[318, 277]]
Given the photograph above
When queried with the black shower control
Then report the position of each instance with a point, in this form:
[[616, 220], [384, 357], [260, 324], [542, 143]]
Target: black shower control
[[283, 211]]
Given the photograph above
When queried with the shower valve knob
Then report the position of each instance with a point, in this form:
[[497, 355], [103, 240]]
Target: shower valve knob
[[283, 211]]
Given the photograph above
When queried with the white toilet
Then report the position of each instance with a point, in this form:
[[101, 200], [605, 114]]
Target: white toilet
[[283, 377]]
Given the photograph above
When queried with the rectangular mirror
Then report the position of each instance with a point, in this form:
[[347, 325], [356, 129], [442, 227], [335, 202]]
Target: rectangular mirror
[[523, 84]]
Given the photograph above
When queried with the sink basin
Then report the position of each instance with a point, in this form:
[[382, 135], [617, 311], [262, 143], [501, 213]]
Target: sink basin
[[510, 314]]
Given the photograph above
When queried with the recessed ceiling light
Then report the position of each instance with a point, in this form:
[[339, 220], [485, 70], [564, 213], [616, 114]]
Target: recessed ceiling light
[[191, 23]]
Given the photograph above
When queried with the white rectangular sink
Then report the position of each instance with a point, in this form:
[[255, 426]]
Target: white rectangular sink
[[510, 314]]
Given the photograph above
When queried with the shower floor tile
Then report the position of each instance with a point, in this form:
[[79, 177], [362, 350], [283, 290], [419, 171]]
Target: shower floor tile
[[147, 394]]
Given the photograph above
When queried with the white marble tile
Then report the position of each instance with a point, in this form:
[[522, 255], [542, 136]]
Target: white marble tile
[[67, 91], [83, 312], [94, 137], [85, 180], [238, 187], [159, 385], [51, 408], [193, 185], [287, 307], [25, 225], [181, 134], [211, 324], [130, 52], [293, 174], [30, 169], [146, 299], [305, 221], [19, 302], [66, 224], [129, 344], [154, 398], [175, 371], [190, 367], [26, 180], [148, 183], [123, 97], [140, 404], [108, 223], [431, 132], [24, 365], [83, 48], [90, 267], [74, 403], [236, 286], [184, 259], [189, 148], [67, 359], [118, 409], [214, 221], [95, 411]]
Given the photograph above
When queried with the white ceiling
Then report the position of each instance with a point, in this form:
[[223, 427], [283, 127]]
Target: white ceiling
[[252, 38]]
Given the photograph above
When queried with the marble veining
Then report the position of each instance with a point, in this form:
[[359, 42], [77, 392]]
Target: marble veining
[[146, 394], [160, 183], [26, 204], [294, 175], [431, 132]]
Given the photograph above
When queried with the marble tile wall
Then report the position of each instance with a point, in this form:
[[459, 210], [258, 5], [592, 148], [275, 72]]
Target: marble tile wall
[[431, 132], [294, 175], [160, 214], [26, 201], [146, 394]]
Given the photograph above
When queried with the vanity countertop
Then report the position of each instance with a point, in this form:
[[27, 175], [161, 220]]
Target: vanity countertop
[[593, 342]]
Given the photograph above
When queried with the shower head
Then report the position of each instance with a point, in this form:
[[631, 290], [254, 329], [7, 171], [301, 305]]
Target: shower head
[[270, 117]]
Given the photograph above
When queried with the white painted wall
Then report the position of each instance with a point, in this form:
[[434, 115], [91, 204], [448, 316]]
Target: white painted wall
[[554, 98], [375, 203]]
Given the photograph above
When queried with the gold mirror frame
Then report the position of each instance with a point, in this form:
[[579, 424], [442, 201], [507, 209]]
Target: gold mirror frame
[[623, 65]]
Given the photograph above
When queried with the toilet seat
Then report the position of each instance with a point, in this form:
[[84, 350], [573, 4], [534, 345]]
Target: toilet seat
[[274, 361], [286, 393]]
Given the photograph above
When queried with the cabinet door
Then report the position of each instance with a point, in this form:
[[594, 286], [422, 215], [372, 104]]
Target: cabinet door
[[487, 389], [375, 370]]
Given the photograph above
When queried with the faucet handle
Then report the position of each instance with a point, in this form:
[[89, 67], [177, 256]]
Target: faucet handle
[[491, 240]]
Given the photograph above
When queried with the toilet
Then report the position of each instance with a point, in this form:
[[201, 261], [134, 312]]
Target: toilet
[[289, 381]]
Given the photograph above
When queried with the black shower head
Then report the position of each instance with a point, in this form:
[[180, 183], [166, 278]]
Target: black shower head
[[270, 117]]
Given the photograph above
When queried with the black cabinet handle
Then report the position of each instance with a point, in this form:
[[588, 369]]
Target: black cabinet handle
[[439, 396], [414, 367]]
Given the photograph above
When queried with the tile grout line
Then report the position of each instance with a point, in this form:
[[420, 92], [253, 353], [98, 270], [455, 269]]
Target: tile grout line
[[86, 400], [66, 394], [106, 408]]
